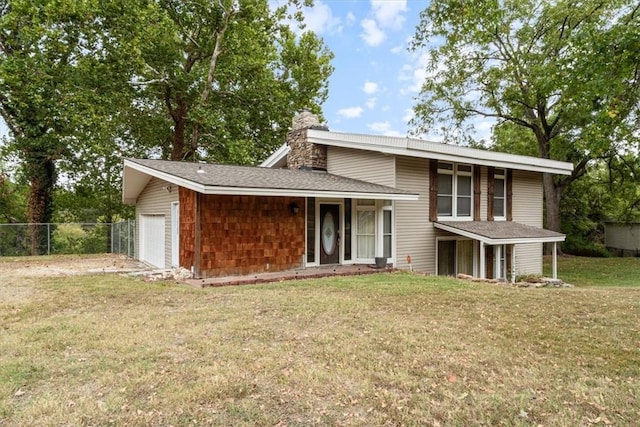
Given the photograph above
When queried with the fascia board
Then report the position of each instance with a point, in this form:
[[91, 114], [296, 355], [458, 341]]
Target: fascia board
[[437, 151], [276, 157], [278, 192], [165, 176]]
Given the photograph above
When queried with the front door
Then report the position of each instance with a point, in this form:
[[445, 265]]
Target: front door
[[329, 234]]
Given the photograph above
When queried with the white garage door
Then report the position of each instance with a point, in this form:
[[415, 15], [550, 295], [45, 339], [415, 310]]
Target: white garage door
[[152, 239]]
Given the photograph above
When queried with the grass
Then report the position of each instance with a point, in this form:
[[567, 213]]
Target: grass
[[582, 271], [389, 349]]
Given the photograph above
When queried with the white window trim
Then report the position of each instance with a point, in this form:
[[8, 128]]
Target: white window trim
[[503, 177], [378, 207], [454, 172]]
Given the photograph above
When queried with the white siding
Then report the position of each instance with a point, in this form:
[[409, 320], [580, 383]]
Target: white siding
[[527, 209], [155, 200], [367, 166], [415, 235]]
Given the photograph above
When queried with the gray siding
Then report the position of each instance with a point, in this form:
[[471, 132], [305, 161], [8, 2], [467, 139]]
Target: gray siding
[[154, 200], [622, 236], [367, 166], [527, 209], [415, 235]]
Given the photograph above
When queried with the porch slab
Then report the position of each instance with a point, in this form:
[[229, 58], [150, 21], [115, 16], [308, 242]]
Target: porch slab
[[296, 274]]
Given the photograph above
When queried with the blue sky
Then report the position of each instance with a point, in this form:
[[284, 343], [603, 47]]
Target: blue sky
[[376, 78]]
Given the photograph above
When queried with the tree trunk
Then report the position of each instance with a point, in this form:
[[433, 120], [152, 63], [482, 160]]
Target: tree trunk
[[179, 117], [42, 178], [552, 194]]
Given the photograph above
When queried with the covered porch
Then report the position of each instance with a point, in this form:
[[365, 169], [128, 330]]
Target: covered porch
[[500, 240]]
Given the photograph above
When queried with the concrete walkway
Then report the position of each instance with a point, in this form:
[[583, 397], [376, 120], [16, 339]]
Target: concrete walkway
[[280, 276]]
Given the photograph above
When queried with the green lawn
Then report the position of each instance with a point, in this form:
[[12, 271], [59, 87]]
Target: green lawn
[[388, 349], [582, 271]]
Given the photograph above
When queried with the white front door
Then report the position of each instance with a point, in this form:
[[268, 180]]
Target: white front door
[[152, 240]]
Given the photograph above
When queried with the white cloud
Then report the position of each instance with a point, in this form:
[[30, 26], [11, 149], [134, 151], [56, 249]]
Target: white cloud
[[414, 74], [320, 19], [408, 115], [372, 35], [388, 13], [370, 88], [371, 103], [398, 49], [351, 18], [350, 113], [383, 128]]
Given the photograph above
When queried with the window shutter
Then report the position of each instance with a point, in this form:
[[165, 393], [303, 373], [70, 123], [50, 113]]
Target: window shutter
[[509, 195], [490, 191], [433, 190], [476, 193]]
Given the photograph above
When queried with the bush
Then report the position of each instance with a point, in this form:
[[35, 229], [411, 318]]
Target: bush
[[582, 247]]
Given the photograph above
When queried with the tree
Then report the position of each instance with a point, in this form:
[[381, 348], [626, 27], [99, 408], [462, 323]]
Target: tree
[[564, 74], [58, 62], [227, 77]]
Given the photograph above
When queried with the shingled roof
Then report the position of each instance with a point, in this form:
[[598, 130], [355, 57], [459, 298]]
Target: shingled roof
[[500, 232], [210, 178]]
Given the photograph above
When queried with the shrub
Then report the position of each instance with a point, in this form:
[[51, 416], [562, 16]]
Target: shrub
[[582, 247]]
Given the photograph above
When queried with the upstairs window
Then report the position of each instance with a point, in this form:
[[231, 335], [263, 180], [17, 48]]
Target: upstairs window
[[455, 190], [499, 193]]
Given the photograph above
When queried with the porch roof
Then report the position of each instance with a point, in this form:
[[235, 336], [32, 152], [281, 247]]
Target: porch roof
[[207, 178], [500, 232]]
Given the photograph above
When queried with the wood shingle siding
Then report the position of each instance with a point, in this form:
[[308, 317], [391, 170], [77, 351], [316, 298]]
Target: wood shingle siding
[[367, 166], [155, 200], [415, 234]]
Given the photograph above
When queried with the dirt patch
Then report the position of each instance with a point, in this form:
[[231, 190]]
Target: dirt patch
[[55, 266]]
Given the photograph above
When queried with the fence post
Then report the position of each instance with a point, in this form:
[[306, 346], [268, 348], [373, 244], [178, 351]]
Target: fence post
[[48, 238], [129, 238], [111, 225]]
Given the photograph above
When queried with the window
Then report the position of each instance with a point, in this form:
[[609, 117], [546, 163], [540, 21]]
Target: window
[[347, 230], [500, 267], [311, 230], [499, 193], [455, 190], [455, 257], [387, 236], [366, 228]]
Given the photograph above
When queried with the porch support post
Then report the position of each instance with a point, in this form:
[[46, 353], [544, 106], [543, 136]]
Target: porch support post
[[555, 260], [513, 263], [482, 261], [197, 250]]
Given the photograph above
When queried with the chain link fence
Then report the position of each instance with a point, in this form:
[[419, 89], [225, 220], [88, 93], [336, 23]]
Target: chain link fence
[[67, 238]]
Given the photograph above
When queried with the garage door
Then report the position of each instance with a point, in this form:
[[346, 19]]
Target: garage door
[[152, 239]]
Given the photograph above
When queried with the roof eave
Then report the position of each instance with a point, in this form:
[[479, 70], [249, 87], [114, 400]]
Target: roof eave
[[407, 147]]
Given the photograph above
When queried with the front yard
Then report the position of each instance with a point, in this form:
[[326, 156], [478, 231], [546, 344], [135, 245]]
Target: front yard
[[389, 349]]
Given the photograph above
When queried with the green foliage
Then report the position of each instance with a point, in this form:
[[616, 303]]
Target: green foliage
[[579, 246], [223, 79], [75, 239]]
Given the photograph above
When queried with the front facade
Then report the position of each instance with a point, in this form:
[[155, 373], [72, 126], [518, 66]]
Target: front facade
[[331, 198]]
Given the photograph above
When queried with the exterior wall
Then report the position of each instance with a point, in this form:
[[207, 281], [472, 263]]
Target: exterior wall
[[249, 234], [527, 209], [415, 234], [154, 200], [623, 239], [367, 166]]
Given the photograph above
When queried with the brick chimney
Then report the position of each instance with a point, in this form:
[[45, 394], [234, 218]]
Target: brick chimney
[[303, 154]]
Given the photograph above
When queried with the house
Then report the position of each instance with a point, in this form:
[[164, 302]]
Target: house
[[622, 239], [337, 198]]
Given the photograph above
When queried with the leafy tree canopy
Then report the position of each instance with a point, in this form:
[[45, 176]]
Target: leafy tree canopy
[[563, 75]]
